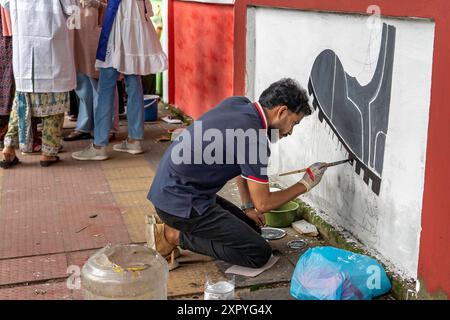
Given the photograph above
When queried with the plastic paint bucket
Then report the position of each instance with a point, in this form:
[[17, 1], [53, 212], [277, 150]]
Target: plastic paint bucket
[[151, 107], [283, 216]]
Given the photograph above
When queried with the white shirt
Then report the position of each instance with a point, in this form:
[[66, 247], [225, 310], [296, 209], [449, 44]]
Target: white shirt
[[43, 59], [133, 45]]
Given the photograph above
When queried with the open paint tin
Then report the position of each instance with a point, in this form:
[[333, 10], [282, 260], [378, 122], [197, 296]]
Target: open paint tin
[[269, 233], [297, 244]]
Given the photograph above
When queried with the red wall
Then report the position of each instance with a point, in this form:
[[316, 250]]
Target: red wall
[[202, 55]]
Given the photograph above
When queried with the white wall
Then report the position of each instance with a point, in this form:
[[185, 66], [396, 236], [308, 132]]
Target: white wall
[[286, 45]]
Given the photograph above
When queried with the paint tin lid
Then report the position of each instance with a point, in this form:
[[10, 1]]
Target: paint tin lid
[[269, 233], [297, 244]]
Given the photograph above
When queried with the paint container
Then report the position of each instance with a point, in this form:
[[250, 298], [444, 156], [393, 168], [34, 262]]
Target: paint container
[[283, 216], [270, 233], [221, 290], [125, 272], [151, 107]]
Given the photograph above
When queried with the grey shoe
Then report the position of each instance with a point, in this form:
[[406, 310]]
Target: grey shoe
[[91, 154], [125, 146]]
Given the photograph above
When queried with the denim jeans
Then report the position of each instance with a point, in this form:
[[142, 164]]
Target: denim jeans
[[224, 232], [135, 106], [87, 92]]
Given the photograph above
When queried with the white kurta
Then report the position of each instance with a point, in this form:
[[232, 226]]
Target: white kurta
[[133, 45], [42, 45]]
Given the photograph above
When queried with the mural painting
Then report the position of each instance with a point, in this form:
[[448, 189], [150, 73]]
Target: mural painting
[[358, 115]]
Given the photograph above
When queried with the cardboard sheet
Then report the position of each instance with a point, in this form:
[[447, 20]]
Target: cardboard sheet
[[252, 272]]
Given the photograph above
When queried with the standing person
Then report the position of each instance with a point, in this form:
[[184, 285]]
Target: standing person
[[44, 72], [85, 44], [6, 74], [184, 191], [128, 45]]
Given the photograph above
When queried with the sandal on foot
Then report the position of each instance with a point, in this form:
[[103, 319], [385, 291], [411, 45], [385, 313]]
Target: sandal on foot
[[48, 163], [171, 259], [6, 164], [157, 240], [77, 135]]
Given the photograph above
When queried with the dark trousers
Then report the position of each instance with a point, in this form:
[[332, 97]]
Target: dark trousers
[[149, 84], [122, 96], [74, 104], [223, 232]]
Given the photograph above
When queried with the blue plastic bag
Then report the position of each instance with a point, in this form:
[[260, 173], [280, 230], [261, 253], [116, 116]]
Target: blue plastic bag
[[327, 273]]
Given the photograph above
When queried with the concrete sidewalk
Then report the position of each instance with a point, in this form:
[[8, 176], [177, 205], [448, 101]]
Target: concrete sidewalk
[[53, 218]]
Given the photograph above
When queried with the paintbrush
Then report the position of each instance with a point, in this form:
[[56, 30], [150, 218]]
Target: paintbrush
[[332, 164]]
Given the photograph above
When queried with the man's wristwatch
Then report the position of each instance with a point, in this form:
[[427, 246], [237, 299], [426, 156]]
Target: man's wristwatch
[[248, 205]]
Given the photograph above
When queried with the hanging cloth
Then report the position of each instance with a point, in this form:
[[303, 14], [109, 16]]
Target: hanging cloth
[[110, 16]]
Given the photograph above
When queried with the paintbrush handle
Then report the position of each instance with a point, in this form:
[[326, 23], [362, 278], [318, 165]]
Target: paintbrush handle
[[293, 172], [332, 164]]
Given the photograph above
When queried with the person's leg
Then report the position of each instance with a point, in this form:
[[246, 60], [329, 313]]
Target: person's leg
[[85, 94], [135, 107], [220, 234], [115, 120], [121, 93], [236, 211], [3, 129], [12, 136], [51, 136], [103, 113], [149, 84], [135, 116], [74, 105]]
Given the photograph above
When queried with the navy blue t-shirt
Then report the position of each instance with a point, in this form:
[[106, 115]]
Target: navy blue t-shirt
[[227, 141]]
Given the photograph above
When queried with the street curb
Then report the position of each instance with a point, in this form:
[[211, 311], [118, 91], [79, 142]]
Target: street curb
[[179, 113]]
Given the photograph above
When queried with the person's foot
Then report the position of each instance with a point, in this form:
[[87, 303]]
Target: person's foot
[[164, 244], [47, 161], [112, 136], [126, 146], [72, 118], [36, 149], [9, 158], [91, 153], [7, 163], [77, 135]]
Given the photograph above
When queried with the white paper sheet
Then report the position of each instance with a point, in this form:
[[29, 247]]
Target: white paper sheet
[[252, 272]]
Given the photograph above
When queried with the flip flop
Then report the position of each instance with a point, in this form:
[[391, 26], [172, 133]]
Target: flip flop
[[9, 164], [77, 135], [48, 163]]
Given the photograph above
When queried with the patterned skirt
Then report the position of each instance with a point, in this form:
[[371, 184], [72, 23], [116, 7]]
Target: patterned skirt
[[35, 105], [6, 74]]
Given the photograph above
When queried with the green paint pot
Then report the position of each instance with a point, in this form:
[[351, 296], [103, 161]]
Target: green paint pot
[[283, 216]]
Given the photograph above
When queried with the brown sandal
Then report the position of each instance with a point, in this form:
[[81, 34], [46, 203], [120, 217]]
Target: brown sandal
[[157, 241]]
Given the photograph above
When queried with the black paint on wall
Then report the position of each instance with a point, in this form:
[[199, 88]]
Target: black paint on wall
[[358, 115]]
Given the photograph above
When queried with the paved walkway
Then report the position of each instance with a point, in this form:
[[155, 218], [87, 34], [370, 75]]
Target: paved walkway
[[53, 218]]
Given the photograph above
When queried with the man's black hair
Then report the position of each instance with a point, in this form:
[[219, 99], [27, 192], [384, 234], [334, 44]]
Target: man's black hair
[[286, 92]]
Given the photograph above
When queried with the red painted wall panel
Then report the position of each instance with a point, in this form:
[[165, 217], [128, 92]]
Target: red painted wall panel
[[203, 47]]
